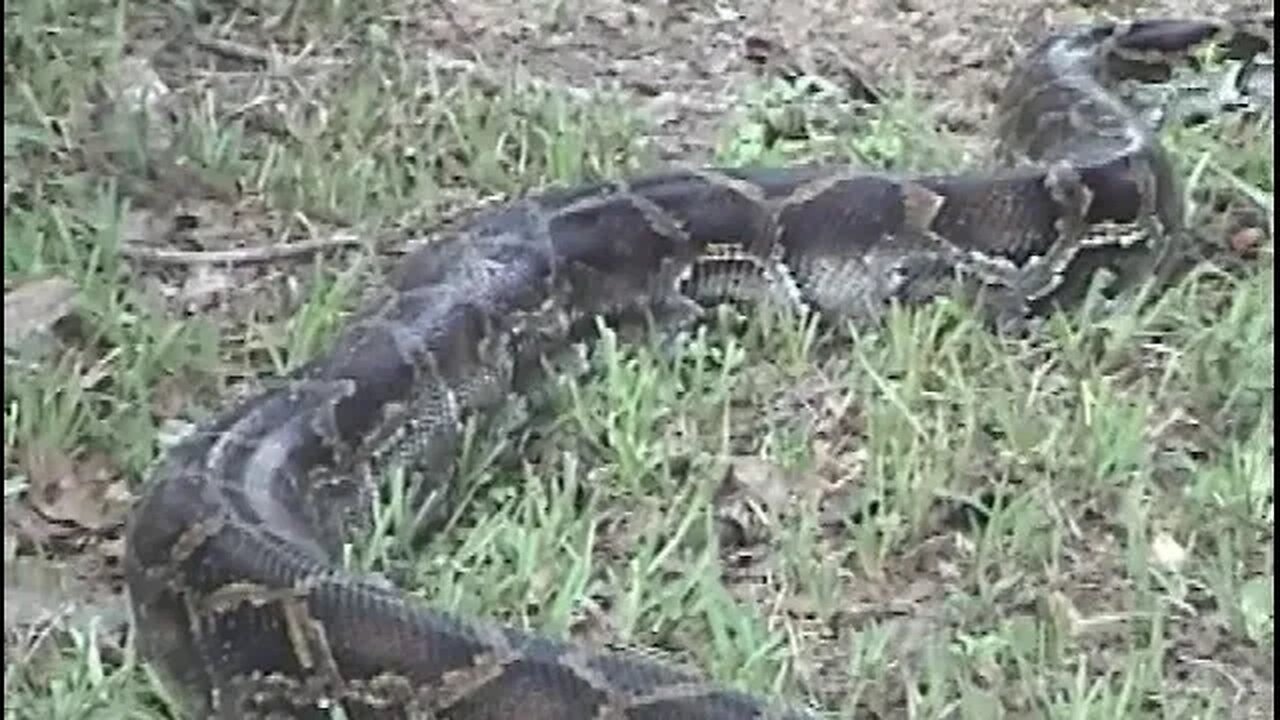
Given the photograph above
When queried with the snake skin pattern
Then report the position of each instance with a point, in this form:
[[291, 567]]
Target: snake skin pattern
[[233, 554]]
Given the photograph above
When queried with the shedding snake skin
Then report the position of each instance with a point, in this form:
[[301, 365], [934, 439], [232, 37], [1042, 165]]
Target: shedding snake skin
[[233, 554]]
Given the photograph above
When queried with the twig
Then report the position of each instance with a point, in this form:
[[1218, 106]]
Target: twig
[[238, 256], [272, 60], [233, 50]]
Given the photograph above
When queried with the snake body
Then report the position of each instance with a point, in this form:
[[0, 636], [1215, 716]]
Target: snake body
[[232, 562]]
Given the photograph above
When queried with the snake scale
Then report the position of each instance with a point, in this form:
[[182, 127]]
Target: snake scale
[[238, 597]]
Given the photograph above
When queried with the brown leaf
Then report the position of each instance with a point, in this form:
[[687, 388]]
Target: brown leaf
[[755, 492], [1168, 552], [170, 396], [35, 306], [761, 480], [1245, 241], [88, 493], [143, 226], [204, 286]]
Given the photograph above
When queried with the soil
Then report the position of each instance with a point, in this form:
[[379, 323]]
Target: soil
[[688, 62]]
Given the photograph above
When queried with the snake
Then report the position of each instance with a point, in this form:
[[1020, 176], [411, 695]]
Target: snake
[[233, 564]]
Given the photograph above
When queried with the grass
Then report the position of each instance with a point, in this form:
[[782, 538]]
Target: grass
[[916, 520]]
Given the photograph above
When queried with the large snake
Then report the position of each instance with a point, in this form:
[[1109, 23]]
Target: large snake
[[232, 563]]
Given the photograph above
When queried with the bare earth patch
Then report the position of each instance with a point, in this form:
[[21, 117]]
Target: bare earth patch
[[687, 63]]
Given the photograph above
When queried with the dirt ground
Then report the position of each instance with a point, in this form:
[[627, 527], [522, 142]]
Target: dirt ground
[[686, 62]]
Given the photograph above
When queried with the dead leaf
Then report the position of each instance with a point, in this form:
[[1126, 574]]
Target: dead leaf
[[761, 480], [89, 494], [204, 286], [35, 306], [1245, 241], [143, 226], [136, 86], [170, 396], [755, 492], [1167, 552]]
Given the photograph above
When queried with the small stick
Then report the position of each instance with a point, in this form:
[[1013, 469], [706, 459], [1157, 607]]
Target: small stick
[[238, 256], [233, 50], [272, 60]]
